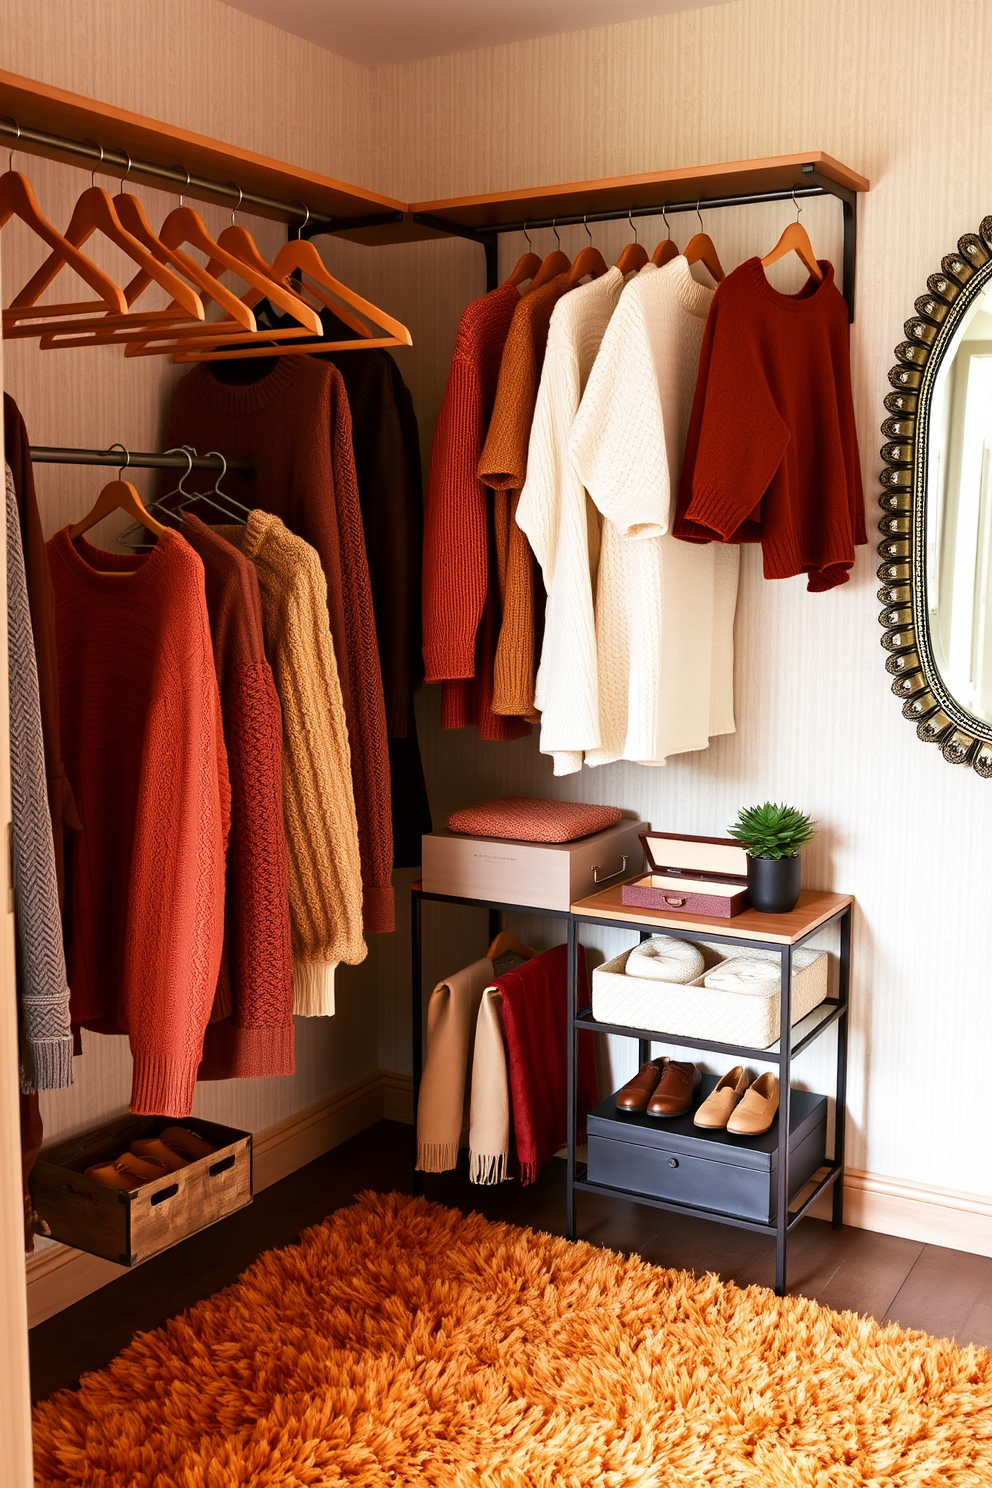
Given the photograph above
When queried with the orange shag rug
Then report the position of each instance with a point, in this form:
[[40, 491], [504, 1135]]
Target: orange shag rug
[[403, 1343]]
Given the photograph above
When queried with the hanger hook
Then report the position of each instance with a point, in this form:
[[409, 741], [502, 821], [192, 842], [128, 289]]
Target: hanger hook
[[302, 226], [795, 203], [217, 489], [630, 219], [530, 245], [128, 159], [10, 161], [554, 229], [123, 448], [585, 224], [188, 179], [700, 216], [241, 197], [664, 218], [99, 163]]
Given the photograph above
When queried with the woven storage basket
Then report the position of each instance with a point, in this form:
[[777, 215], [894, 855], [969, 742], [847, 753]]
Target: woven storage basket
[[694, 1011]]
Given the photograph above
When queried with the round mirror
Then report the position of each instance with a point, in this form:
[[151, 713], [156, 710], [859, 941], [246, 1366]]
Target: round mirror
[[937, 525]]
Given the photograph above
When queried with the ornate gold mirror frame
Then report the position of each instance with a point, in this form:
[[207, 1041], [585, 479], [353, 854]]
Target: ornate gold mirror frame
[[916, 680]]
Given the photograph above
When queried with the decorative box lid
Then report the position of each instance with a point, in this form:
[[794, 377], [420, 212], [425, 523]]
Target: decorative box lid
[[719, 859]]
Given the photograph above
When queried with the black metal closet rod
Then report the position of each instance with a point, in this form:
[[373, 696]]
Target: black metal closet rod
[[50, 454], [114, 161]]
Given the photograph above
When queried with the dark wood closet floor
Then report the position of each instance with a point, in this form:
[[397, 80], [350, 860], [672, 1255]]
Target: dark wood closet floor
[[946, 1292]]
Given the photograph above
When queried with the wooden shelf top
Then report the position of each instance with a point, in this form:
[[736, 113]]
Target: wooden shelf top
[[35, 105], [656, 188], [814, 908]]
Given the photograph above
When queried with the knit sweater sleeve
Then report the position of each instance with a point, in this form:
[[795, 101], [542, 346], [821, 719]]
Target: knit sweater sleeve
[[455, 544], [175, 924], [618, 440], [325, 880], [736, 437]]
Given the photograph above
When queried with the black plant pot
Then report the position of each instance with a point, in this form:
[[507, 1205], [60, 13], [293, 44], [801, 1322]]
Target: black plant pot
[[773, 884]]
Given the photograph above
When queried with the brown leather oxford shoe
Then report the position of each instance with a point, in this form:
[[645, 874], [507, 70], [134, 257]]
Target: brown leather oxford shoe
[[637, 1092], [676, 1090]]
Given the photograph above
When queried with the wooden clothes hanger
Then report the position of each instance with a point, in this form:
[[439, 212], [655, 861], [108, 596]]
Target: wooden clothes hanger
[[298, 258], [554, 264], [526, 266], [795, 239], [117, 495], [588, 260], [701, 249], [667, 249], [635, 255], [507, 943]]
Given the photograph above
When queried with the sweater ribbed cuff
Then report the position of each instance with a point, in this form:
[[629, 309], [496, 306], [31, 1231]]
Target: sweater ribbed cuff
[[453, 664], [313, 989], [708, 509], [163, 1084], [52, 1062], [378, 909], [233, 1053]]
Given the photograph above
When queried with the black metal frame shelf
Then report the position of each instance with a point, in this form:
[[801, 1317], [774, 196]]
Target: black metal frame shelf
[[788, 1047]]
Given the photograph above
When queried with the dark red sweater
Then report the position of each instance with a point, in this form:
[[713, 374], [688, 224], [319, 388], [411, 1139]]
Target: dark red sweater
[[296, 422], [771, 455], [257, 1038], [144, 754]]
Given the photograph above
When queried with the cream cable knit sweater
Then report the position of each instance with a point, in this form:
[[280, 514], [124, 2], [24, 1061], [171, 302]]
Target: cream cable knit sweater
[[562, 526], [325, 878], [664, 609]]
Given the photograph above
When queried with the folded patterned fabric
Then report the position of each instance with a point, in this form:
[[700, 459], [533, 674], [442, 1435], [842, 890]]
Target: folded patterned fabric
[[663, 959], [752, 977]]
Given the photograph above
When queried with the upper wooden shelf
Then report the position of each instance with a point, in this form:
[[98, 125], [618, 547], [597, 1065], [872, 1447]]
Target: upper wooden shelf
[[38, 106], [814, 908], [656, 189]]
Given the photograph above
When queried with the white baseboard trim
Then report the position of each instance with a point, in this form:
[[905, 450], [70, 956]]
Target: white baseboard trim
[[915, 1211], [58, 1276]]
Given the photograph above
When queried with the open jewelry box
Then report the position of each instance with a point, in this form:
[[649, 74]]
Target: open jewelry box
[[694, 875]]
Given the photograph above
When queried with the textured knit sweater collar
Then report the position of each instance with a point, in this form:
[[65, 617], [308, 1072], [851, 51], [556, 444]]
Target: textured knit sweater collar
[[287, 379]]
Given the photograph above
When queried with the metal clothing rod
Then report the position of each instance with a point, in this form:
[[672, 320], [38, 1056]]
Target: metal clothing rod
[[49, 454], [112, 161]]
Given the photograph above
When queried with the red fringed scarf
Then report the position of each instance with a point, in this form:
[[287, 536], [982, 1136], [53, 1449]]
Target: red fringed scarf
[[535, 1017]]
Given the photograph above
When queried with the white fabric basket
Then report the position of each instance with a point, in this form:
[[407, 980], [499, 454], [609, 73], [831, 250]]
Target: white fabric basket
[[694, 1011]]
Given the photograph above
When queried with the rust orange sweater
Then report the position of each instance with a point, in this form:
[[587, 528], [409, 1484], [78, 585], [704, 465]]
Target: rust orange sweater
[[144, 754], [295, 420], [771, 454]]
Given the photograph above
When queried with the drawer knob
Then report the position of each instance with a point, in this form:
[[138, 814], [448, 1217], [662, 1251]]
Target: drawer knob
[[673, 1162], [673, 902]]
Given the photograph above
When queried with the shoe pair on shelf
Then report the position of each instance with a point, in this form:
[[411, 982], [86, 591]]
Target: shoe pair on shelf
[[667, 1088], [743, 1109], [147, 1160]]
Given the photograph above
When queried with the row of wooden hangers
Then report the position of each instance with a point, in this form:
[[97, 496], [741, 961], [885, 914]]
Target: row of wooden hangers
[[183, 328], [589, 262]]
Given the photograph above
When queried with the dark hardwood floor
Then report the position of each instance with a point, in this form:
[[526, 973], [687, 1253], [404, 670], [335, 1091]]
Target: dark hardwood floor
[[945, 1292]]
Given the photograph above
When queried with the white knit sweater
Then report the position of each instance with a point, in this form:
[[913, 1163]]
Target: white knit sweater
[[664, 609], [562, 526]]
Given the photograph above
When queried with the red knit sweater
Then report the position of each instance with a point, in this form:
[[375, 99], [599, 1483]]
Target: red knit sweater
[[144, 753], [297, 424], [257, 1037], [771, 455]]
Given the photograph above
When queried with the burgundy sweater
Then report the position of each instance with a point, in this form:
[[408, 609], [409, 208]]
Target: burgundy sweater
[[296, 422], [771, 455], [144, 753], [256, 1039]]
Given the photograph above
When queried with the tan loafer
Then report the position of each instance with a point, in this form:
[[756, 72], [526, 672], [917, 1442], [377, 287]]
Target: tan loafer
[[127, 1172], [718, 1107], [186, 1143], [676, 1091], [757, 1110], [157, 1151], [637, 1092]]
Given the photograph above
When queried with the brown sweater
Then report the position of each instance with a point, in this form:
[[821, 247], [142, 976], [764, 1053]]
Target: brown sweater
[[257, 1038], [325, 882], [503, 465], [296, 422]]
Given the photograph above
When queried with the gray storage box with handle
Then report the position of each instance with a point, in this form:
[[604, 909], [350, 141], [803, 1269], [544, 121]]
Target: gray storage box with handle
[[712, 1170]]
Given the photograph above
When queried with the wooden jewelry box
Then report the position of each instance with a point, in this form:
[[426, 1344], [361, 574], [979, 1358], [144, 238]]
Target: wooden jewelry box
[[693, 875]]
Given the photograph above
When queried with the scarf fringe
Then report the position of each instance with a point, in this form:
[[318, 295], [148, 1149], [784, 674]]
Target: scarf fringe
[[437, 1157], [488, 1168]]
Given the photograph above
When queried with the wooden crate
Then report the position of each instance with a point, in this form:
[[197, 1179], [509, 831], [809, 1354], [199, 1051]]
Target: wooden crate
[[131, 1226]]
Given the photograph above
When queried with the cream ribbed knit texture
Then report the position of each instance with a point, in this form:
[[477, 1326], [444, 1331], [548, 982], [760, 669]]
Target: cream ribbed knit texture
[[562, 526], [325, 878], [664, 609]]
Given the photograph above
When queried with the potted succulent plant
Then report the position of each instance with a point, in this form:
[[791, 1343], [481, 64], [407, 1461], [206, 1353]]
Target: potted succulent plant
[[773, 836]]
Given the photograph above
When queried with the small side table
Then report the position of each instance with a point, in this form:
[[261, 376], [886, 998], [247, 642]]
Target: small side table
[[780, 933]]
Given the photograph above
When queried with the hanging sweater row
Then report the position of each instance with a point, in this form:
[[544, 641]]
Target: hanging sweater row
[[558, 457]]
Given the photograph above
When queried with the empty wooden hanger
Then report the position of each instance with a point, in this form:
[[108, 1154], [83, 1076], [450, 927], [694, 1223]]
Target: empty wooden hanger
[[588, 260], [795, 239], [666, 249], [508, 943], [17, 199], [701, 249], [526, 266], [554, 264], [635, 255]]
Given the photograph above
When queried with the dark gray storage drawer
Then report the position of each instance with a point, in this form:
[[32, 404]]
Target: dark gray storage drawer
[[680, 1162]]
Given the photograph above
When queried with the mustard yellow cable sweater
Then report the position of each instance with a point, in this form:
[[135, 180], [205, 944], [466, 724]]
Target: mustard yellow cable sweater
[[325, 876]]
